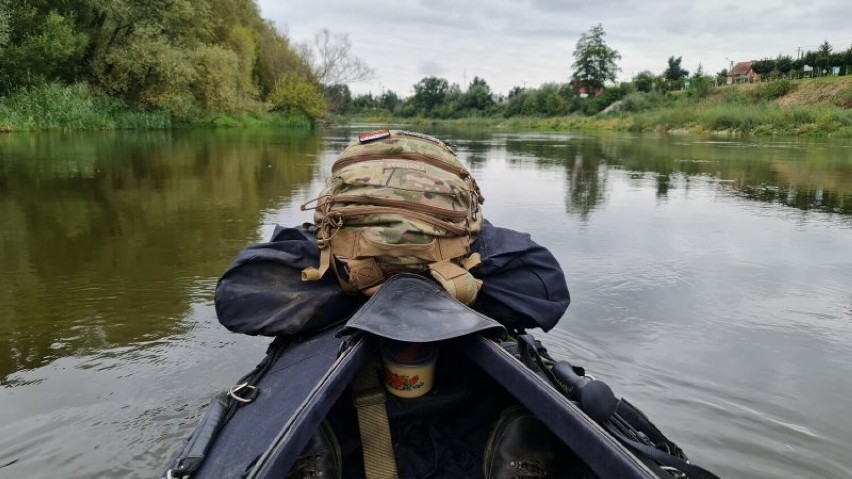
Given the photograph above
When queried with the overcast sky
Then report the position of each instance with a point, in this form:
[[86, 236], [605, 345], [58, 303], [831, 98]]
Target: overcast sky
[[529, 42]]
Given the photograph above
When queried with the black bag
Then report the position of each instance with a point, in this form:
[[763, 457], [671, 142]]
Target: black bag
[[262, 291]]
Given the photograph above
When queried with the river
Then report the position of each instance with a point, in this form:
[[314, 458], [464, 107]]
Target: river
[[711, 283]]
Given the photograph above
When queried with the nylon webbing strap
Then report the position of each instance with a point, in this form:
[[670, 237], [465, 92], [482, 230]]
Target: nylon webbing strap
[[369, 399], [456, 280]]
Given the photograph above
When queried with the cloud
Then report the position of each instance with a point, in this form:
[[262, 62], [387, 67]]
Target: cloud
[[431, 68], [515, 42]]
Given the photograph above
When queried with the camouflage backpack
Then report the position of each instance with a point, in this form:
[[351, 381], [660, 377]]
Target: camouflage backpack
[[398, 201]]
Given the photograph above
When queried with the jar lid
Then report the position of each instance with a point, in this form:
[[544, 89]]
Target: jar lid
[[408, 353]]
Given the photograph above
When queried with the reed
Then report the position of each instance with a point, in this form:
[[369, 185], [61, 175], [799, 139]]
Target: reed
[[53, 106]]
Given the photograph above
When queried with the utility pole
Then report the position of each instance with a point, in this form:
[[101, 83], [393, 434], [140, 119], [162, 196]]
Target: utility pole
[[798, 52]]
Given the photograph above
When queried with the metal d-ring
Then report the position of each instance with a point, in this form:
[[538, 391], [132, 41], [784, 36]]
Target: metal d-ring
[[240, 387]]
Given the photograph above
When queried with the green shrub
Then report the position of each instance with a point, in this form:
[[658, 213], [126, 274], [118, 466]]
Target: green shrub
[[776, 89], [635, 102], [296, 94]]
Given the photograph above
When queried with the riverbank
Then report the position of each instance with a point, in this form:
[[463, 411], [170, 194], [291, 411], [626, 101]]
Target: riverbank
[[814, 107], [76, 107]]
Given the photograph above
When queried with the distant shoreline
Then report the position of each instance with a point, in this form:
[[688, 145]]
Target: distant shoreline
[[813, 108]]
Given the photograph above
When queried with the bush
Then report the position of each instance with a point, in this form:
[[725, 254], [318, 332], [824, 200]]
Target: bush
[[597, 103], [777, 89], [295, 93]]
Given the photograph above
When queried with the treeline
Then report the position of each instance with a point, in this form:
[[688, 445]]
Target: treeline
[[813, 63], [436, 98], [182, 57]]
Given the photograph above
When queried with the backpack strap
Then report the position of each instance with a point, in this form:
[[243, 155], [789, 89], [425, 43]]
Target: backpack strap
[[350, 246], [376, 443], [457, 280]]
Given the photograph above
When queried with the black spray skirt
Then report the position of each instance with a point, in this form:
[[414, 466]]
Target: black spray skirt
[[480, 371]]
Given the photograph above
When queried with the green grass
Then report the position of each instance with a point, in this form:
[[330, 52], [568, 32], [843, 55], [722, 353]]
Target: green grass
[[57, 107], [75, 107], [758, 119]]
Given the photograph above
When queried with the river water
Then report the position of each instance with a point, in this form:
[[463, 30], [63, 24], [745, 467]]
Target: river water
[[711, 283]]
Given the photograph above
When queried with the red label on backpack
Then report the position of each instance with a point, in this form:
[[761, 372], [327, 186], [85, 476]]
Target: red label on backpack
[[373, 136]]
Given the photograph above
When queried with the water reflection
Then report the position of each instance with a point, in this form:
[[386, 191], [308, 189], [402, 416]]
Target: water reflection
[[107, 238], [806, 175], [700, 292]]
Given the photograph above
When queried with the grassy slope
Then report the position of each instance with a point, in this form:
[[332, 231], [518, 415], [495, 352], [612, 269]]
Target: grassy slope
[[806, 107]]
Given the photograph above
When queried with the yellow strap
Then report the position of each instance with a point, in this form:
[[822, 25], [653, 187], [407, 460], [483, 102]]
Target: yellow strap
[[369, 399], [456, 280], [472, 261], [314, 274]]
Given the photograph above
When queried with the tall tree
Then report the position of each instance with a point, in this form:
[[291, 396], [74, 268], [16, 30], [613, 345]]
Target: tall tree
[[823, 57], [477, 96], [332, 61], [181, 56], [674, 73], [41, 44], [276, 57], [594, 61], [429, 94], [390, 101], [339, 98]]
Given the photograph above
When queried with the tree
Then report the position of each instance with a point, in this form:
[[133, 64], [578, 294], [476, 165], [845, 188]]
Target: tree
[[644, 81], [390, 101], [477, 97], [40, 45], [296, 94], [332, 61], [182, 56], [823, 57], [764, 67], [429, 94], [674, 73], [339, 98], [4, 27], [699, 85], [276, 57], [364, 102], [594, 61], [784, 64]]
